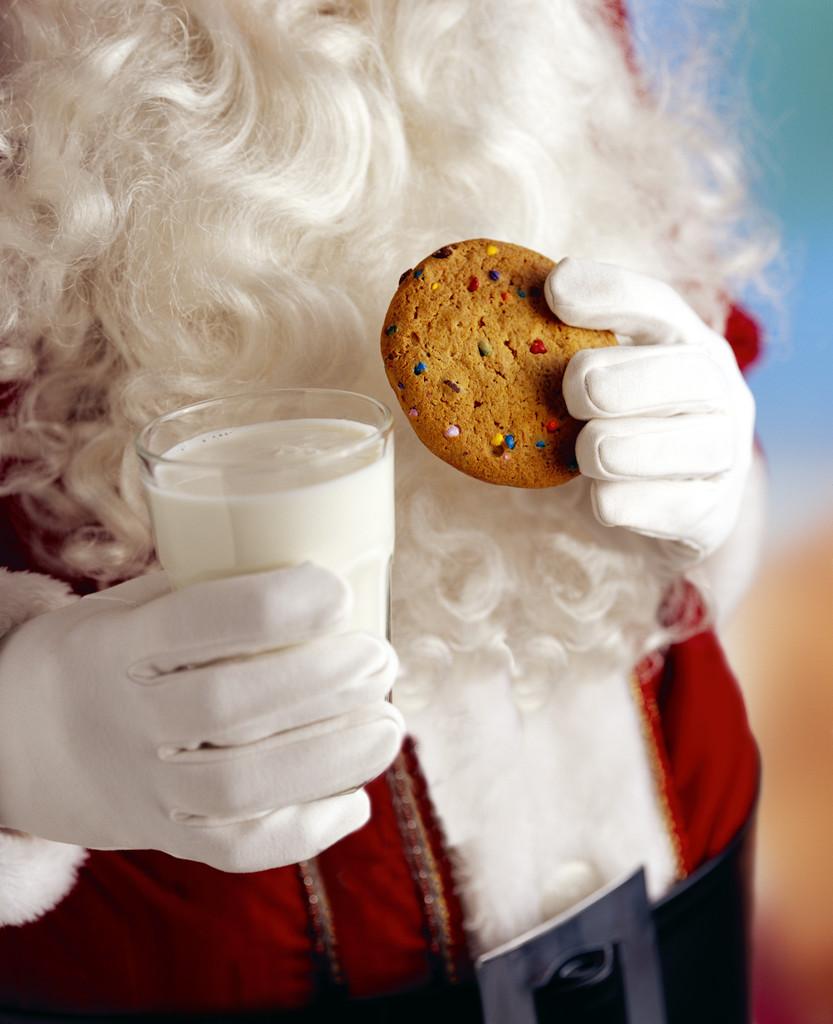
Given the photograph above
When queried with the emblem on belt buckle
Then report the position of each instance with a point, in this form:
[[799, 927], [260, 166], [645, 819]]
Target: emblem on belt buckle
[[612, 929]]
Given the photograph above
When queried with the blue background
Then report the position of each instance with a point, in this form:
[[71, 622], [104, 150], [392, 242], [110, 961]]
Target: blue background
[[771, 75]]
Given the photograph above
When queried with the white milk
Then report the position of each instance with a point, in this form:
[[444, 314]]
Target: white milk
[[335, 508]]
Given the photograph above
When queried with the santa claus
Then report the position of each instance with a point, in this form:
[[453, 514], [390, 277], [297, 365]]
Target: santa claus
[[203, 198]]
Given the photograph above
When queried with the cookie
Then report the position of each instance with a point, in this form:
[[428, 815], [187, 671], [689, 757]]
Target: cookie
[[476, 357]]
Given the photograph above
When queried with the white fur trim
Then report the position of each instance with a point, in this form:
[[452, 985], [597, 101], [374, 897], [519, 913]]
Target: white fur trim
[[542, 804], [24, 594], [35, 873]]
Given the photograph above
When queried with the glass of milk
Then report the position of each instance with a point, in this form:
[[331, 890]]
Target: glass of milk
[[258, 481]]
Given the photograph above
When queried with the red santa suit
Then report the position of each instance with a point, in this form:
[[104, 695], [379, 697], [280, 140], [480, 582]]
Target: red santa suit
[[380, 913]]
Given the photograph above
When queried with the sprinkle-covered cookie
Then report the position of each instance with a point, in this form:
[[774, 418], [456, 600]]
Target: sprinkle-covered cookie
[[475, 356]]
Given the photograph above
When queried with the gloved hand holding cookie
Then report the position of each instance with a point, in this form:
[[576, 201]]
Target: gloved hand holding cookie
[[507, 367], [476, 359]]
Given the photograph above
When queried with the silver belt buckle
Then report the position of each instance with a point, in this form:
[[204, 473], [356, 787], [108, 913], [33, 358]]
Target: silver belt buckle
[[613, 925]]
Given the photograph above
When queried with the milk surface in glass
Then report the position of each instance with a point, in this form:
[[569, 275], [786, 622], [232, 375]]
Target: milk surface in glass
[[329, 500]]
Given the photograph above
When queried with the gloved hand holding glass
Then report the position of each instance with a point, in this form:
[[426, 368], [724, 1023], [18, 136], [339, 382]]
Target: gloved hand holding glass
[[234, 718]]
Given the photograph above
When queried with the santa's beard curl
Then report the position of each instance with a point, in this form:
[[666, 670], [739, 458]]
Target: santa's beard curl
[[527, 575], [203, 198]]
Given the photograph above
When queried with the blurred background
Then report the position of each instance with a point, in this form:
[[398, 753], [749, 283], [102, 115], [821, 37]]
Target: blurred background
[[768, 70], [770, 74]]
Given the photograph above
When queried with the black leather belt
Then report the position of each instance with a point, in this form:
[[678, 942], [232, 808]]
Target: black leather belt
[[617, 960]]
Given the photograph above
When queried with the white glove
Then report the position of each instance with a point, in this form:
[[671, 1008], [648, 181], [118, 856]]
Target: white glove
[[669, 438], [121, 728]]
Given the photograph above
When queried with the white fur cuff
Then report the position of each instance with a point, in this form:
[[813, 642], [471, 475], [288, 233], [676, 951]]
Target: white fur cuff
[[35, 873]]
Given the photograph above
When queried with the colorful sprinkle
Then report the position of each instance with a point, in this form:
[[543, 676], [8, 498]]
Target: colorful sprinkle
[[552, 426], [492, 250], [484, 348], [404, 274], [572, 464], [497, 440], [494, 275], [420, 368], [390, 330], [413, 413], [419, 272], [521, 293], [454, 387], [537, 347], [474, 284], [401, 386], [540, 444], [510, 441], [435, 286], [452, 431], [504, 296], [506, 456], [442, 254]]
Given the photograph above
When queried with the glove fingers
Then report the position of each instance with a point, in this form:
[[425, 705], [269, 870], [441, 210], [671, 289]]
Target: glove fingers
[[628, 381], [284, 836], [643, 448], [214, 786], [585, 293], [242, 614], [669, 509], [249, 698]]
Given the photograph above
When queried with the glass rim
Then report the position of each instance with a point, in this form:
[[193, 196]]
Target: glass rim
[[378, 432]]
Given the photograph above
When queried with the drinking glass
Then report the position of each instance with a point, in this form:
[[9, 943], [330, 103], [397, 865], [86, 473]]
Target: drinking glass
[[250, 482]]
